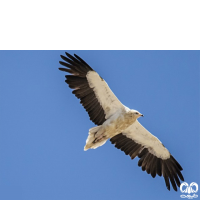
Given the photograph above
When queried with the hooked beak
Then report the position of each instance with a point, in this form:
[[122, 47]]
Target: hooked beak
[[141, 115]]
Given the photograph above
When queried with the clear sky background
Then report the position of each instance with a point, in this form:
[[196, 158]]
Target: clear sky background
[[43, 127]]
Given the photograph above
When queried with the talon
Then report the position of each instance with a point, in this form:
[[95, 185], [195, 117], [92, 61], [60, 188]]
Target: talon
[[94, 141]]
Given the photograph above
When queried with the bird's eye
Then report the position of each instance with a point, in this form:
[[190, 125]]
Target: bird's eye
[[137, 113]]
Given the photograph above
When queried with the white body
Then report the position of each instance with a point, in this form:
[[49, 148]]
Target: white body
[[117, 123]]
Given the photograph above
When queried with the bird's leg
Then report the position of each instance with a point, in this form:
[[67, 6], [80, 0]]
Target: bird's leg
[[98, 139], [99, 136]]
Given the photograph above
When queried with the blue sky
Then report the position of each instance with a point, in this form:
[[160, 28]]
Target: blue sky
[[43, 127]]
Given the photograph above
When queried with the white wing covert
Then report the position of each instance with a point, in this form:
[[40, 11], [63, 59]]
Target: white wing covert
[[154, 157], [94, 93]]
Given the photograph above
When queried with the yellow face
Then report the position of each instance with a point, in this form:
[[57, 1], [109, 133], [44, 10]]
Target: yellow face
[[136, 114]]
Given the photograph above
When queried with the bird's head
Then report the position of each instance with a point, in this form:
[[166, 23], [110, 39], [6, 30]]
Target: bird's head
[[136, 114]]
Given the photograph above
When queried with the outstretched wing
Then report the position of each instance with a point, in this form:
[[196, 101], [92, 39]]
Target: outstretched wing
[[154, 157], [94, 93]]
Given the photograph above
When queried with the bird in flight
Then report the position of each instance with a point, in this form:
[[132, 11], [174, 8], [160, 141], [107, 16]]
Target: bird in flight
[[118, 123]]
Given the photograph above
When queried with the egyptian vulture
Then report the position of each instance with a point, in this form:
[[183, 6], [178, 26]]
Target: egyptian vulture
[[118, 123]]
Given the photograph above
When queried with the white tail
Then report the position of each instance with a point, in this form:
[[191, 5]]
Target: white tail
[[90, 144]]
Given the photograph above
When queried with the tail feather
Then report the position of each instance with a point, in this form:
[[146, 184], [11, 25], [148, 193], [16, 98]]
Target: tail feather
[[91, 137]]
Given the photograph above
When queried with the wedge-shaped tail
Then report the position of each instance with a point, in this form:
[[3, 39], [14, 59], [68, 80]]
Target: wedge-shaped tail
[[92, 142]]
